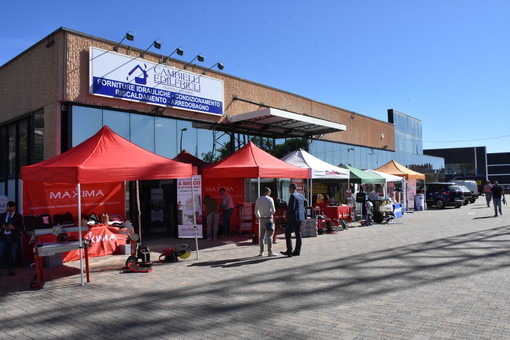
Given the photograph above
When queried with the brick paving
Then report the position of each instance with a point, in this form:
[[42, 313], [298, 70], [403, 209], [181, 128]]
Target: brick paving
[[434, 274]]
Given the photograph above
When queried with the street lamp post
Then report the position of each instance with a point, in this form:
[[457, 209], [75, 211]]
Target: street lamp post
[[182, 131]]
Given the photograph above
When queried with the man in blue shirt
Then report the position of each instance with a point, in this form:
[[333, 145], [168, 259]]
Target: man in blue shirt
[[295, 217]]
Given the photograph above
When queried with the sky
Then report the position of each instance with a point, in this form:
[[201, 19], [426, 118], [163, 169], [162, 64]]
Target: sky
[[444, 62]]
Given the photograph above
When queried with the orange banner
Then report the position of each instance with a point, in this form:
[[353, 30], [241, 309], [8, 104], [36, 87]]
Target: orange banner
[[52, 198]]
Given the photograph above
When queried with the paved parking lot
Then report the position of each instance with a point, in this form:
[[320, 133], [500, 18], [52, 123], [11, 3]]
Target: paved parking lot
[[434, 274]]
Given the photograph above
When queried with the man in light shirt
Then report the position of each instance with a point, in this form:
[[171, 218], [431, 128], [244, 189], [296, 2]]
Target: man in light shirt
[[264, 210]]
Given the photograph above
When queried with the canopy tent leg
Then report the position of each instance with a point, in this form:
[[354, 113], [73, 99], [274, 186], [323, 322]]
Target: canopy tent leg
[[194, 216], [137, 188], [80, 238]]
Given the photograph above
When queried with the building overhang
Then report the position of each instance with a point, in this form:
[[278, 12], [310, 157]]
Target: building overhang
[[275, 123]]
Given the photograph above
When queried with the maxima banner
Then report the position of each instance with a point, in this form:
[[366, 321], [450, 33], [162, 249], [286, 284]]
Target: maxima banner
[[189, 206], [54, 198], [121, 76]]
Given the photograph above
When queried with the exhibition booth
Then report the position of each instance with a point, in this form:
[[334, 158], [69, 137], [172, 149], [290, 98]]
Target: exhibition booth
[[241, 174], [89, 179]]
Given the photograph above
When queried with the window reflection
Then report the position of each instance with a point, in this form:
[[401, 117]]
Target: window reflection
[[142, 131], [163, 136], [117, 121], [86, 121]]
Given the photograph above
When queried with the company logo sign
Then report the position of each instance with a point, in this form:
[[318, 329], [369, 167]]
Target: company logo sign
[[119, 76]]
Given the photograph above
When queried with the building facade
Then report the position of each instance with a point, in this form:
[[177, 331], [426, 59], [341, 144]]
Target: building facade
[[63, 89]]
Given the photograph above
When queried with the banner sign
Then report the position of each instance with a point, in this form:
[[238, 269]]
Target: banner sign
[[189, 206], [54, 198], [121, 76]]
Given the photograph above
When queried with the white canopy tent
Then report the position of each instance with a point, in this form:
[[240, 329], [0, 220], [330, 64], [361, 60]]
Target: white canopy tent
[[387, 177], [317, 167]]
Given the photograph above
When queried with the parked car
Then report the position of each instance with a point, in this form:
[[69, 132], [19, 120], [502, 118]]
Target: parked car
[[472, 186], [467, 194], [442, 194]]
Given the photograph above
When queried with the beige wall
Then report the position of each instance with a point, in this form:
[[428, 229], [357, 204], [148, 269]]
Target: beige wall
[[33, 81]]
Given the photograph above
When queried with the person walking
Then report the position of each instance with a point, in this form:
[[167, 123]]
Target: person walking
[[211, 206], [10, 234], [264, 210], [487, 192], [227, 207], [295, 216], [497, 194]]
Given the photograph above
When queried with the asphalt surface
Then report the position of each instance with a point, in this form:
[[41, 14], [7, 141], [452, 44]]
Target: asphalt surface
[[434, 274]]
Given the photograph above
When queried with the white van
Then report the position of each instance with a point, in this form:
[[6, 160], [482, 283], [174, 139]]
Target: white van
[[471, 185]]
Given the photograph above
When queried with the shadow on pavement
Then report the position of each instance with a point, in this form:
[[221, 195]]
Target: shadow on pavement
[[212, 303]]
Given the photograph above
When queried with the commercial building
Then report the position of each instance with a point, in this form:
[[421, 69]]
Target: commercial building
[[64, 88], [474, 163]]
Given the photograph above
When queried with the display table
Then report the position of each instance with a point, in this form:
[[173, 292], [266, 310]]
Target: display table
[[104, 240], [338, 212], [42, 249]]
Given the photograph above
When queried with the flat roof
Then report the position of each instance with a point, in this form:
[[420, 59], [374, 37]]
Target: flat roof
[[277, 123]]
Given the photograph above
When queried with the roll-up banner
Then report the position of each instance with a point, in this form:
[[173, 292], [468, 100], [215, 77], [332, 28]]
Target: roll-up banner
[[189, 207]]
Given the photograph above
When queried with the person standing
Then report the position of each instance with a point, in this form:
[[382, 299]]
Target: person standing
[[10, 235], [295, 216], [264, 210], [227, 207], [211, 206], [497, 194], [488, 194]]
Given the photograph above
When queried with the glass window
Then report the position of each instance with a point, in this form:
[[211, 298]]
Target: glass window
[[187, 137], [3, 155], [86, 122], [23, 142], [205, 142], [11, 149], [38, 155], [142, 131], [117, 121], [165, 137]]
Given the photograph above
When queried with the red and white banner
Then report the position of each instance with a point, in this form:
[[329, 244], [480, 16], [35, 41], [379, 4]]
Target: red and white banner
[[54, 198]]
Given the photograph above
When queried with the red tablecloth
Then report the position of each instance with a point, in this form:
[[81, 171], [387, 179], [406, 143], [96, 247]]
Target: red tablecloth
[[338, 212], [104, 241]]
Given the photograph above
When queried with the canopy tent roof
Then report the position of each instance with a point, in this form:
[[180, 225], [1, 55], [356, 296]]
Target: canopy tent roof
[[252, 162], [272, 122], [105, 157], [185, 157], [387, 177], [317, 167], [360, 176], [397, 169]]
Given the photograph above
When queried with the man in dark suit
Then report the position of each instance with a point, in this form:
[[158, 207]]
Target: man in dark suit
[[295, 216], [11, 223]]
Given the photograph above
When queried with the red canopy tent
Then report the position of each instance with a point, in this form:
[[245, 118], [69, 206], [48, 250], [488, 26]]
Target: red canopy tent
[[185, 157], [253, 162], [104, 157]]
